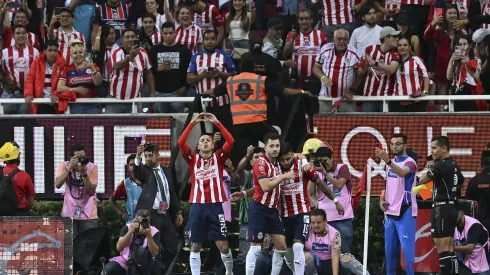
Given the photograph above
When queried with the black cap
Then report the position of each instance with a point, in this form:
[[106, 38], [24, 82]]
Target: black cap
[[403, 19], [190, 2], [275, 22], [323, 152], [67, 9]]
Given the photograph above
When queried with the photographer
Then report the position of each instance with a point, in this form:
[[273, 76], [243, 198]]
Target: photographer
[[80, 201], [138, 244], [158, 195]]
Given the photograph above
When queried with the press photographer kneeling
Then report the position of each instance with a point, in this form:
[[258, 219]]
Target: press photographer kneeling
[[138, 244]]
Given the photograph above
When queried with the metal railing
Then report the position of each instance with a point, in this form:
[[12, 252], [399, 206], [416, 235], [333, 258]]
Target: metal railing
[[385, 99]]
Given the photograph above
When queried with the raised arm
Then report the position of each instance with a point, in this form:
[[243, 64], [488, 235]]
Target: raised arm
[[185, 150]]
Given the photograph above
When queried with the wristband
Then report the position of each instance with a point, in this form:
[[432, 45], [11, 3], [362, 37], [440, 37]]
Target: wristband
[[244, 194], [302, 91], [335, 200], [97, 37], [304, 162], [425, 92], [323, 77], [389, 162]]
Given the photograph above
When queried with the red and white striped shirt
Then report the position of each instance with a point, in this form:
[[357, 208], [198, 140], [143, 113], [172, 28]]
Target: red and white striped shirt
[[17, 62], [263, 168], [48, 72], [127, 82], [64, 40], [340, 68], [156, 38], [202, 61], [392, 5], [207, 178], [337, 12], [485, 10], [294, 192], [189, 37], [306, 48], [411, 80], [384, 84], [108, 65], [209, 19], [32, 38], [413, 2]]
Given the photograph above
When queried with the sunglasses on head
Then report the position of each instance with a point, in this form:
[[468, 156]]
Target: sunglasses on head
[[77, 44]]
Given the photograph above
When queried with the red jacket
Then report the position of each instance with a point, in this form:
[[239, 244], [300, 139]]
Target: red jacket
[[35, 79]]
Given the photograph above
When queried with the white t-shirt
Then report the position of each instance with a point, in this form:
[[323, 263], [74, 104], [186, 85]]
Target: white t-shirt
[[363, 37]]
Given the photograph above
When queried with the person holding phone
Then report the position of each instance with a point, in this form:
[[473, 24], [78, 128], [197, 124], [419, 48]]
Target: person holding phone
[[65, 32], [21, 17], [399, 204]]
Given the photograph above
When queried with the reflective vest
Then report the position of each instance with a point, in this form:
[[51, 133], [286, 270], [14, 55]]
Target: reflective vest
[[248, 100]]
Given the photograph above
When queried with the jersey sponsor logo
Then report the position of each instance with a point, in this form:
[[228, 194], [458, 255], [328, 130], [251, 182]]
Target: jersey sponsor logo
[[84, 79], [260, 236], [392, 174], [312, 50], [202, 174], [320, 247], [306, 219], [289, 187], [21, 64]]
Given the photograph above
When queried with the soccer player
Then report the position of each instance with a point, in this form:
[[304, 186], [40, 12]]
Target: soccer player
[[207, 192]]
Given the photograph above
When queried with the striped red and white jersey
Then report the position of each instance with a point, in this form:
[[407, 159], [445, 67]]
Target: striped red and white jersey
[[115, 16], [463, 8], [218, 59], [15, 6], [413, 2], [64, 38], [156, 38], [17, 62], [108, 65], [294, 192], [465, 74], [392, 5], [485, 10], [209, 19], [340, 68], [263, 168], [189, 37], [127, 82], [383, 84], [337, 12], [32, 38], [48, 72], [306, 48], [411, 79], [207, 178]]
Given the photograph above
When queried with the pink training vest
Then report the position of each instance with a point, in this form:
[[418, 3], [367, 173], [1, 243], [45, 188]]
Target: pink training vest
[[395, 190], [321, 246], [477, 260], [343, 195], [124, 257], [86, 201]]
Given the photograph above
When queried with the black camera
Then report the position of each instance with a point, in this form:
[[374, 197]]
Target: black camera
[[145, 223], [319, 163], [83, 159]]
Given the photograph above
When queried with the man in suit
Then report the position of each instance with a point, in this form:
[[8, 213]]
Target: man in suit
[[159, 197]]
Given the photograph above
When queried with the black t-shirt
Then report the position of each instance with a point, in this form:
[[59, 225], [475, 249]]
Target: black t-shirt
[[448, 180], [479, 190], [179, 57], [476, 234], [272, 88]]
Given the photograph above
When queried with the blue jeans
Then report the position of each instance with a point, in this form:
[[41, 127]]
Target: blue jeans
[[14, 109], [168, 107], [400, 231], [372, 107], [82, 108], [118, 108], [330, 29], [346, 230]]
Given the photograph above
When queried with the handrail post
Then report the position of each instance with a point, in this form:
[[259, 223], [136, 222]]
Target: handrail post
[[450, 105], [385, 106], [134, 108]]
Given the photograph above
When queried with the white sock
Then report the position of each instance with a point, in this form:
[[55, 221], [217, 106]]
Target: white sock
[[195, 263], [277, 260], [228, 262], [252, 254], [299, 258], [289, 258]]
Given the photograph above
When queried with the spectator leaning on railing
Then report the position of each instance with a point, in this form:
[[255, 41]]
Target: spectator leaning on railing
[[102, 51], [40, 81]]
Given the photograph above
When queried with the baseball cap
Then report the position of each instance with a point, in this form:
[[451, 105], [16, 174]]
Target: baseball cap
[[479, 34], [385, 31], [9, 152], [67, 9], [403, 19], [190, 2], [275, 22]]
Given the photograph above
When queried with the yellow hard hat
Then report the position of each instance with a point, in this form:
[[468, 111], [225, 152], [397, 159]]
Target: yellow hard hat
[[312, 145], [9, 152]]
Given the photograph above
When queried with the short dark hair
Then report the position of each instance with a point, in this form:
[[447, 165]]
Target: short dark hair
[[168, 25], [319, 212], [365, 9], [142, 213], [18, 27], [132, 156], [127, 30], [270, 136], [286, 148], [400, 135], [206, 134], [305, 10], [52, 43], [208, 32], [20, 11], [154, 148], [148, 15], [258, 150], [442, 141], [76, 148]]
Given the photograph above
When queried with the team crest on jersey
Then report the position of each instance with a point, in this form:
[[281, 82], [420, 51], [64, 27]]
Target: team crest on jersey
[[306, 43], [206, 165], [115, 14], [216, 60], [347, 61], [260, 236], [244, 91], [21, 64]]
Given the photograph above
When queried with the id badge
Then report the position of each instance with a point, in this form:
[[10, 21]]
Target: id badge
[[78, 211], [162, 209]]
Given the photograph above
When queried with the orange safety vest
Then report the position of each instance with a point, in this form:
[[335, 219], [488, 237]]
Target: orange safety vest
[[248, 100]]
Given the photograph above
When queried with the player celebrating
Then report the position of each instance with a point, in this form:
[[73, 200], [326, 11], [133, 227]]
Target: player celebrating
[[448, 180], [207, 192]]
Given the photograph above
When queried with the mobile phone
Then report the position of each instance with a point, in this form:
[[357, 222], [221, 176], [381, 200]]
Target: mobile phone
[[295, 27], [57, 11], [137, 44], [210, 69], [438, 12], [14, 5]]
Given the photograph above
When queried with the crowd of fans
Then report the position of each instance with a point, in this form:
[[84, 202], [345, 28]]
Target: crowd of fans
[[125, 49]]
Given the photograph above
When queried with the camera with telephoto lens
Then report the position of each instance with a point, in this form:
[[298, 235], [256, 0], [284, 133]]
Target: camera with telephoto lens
[[319, 163], [145, 223], [83, 159]]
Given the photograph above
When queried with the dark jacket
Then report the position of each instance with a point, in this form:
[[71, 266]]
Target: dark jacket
[[149, 189]]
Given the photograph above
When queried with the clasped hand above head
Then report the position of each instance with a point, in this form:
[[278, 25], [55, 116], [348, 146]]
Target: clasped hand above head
[[204, 117]]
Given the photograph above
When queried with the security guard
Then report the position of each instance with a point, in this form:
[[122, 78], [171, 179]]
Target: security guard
[[479, 189], [248, 92]]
